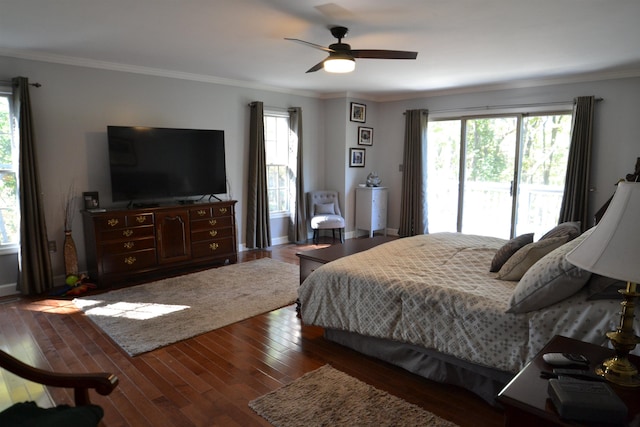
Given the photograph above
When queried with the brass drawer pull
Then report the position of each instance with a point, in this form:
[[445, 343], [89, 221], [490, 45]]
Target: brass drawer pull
[[127, 233], [201, 212], [141, 219], [213, 233], [112, 222], [222, 210], [212, 222], [129, 245], [213, 246], [130, 260]]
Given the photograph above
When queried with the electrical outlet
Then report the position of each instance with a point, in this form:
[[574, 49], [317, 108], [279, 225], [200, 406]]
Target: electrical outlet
[[400, 168], [52, 246]]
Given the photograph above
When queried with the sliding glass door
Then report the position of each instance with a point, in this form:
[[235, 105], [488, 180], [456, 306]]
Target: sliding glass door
[[489, 159], [498, 176]]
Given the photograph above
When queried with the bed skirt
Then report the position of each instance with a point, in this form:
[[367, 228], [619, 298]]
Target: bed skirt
[[483, 381]]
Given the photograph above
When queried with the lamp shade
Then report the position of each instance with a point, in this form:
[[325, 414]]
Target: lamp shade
[[613, 248]]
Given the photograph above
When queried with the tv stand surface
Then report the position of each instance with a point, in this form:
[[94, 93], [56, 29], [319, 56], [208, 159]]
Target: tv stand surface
[[143, 205], [130, 246]]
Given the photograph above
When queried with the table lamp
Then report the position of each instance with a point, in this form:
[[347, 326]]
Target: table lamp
[[613, 250]]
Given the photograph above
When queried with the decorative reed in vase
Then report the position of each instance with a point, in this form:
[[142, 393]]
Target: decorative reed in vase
[[70, 253]]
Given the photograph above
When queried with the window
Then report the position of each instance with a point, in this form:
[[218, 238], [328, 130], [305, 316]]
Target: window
[[497, 175], [281, 163], [9, 207]]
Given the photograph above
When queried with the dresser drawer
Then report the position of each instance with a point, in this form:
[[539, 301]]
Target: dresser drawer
[[218, 211], [111, 222], [120, 220], [211, 223], [139, 219], [129, 246], [212, 248], [200, 213], [128, 233], [130, 261], [211, 234]]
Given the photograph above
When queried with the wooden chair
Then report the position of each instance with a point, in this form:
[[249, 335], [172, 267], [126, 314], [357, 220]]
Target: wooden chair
[[102, 383]]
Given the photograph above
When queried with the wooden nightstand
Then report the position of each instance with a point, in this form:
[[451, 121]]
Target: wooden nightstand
[[525, 398]]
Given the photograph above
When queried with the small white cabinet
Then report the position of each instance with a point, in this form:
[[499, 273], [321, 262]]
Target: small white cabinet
[[371, 209]]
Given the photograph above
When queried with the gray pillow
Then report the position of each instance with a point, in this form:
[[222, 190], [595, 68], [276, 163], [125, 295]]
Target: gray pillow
[[549, 280], [525, 257], [569, 229], [325, 208], [508, 249]]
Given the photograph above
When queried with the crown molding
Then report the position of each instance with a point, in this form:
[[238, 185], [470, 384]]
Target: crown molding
[[373, 97], [514, 84], [114, 66]]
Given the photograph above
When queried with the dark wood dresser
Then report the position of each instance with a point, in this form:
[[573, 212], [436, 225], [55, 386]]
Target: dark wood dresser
[[133, 245]]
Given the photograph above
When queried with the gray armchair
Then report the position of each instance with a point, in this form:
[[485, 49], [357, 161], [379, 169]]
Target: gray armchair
[[324, 213]]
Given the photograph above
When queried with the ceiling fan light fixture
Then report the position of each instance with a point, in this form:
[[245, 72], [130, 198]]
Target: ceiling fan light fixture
[[339, 64]]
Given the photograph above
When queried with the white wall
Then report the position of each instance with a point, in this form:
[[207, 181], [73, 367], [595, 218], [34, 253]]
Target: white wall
[[75, 104]]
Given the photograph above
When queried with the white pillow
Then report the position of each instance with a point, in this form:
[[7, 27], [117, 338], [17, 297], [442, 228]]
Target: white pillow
[[549, 280], [325, 208], [525, 257]]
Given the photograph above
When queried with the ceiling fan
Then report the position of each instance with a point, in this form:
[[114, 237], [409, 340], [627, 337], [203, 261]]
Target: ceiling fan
[[341, 57]]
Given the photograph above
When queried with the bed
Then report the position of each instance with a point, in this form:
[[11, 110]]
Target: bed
[[431, 305]]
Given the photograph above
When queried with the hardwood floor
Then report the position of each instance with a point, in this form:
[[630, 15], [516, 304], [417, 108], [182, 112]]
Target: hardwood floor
[[209, 379]]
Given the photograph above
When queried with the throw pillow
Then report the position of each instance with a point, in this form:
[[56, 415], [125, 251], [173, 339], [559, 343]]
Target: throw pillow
[[525, 257], [508, 249], [569, 229], [549, 280], [325, 208]]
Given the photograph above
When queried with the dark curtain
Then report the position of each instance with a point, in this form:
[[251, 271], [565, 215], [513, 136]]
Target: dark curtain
[[575, 202], [413, 208], [298, 222], [258, 228], [34, 275]]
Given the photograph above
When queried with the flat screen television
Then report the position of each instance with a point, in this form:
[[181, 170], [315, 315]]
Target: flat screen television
[[157, 164]]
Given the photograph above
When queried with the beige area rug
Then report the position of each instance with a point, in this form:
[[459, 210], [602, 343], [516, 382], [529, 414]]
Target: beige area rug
[[144, 317], [328, 397]]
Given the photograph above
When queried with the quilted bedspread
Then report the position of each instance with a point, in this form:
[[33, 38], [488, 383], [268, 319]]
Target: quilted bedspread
[[436, 291]]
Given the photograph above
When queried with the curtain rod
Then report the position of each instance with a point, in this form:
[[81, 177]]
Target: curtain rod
[[275, 109], [9, 82], [499, 107]]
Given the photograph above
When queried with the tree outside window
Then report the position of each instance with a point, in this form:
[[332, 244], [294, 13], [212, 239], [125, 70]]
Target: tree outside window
[[9, 216], [281, 163], [512, 176]]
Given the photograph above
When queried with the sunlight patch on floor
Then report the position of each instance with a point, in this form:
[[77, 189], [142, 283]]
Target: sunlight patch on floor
[[128, 310]]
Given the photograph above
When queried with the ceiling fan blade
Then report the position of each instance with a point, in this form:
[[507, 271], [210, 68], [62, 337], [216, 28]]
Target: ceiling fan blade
[[313, 45], [316, 67], [383, 54]]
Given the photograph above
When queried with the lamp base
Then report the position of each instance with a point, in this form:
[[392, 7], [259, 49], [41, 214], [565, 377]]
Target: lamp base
[[620, 371]]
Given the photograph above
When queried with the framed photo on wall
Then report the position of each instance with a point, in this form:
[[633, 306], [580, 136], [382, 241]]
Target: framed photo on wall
[[365, 135], [356, 157], [358, 112]]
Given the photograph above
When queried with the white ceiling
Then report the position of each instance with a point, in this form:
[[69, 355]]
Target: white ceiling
[[460, 43]]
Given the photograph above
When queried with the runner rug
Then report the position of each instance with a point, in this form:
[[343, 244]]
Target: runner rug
[[328, 397], [144, 317]]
